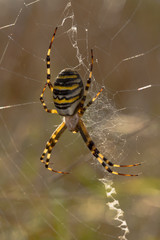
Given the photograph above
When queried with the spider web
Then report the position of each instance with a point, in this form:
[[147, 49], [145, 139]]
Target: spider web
[[123, 122]]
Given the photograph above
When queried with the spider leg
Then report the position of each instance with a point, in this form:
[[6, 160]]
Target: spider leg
[[88, 81], [101, 159], [43, 103], [49, 146], [90, 102], [48, 77], [48, 62]]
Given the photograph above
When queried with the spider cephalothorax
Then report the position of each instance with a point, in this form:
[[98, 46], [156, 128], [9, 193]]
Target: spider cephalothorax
[[69, 96]]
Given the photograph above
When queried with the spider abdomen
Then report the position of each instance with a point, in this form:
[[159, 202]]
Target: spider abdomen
[[68, 91]]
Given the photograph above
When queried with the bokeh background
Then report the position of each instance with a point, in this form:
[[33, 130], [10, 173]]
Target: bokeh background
[[124, 122]]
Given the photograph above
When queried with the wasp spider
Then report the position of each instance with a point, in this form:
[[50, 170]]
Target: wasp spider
[[69, 97]]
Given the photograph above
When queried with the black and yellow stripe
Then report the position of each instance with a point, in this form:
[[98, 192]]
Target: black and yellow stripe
[[88, 81], [49, 146], [83, 109], [43, 103], [48, 62], [67, 92], [101, 159]]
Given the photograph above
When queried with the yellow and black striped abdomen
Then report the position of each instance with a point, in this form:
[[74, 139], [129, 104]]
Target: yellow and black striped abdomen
[[68, 91]]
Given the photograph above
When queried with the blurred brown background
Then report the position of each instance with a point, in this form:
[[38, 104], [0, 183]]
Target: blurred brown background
[[124, 122]]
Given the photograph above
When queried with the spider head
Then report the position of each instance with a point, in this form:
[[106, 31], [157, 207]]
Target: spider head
[[68, 92]]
